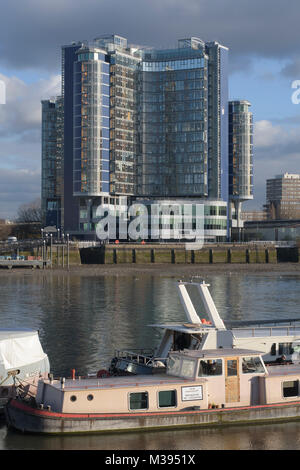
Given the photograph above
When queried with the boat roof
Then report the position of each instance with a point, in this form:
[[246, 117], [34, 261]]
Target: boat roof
[[189, 328], [9, 333], [219, 352], [119, 381]]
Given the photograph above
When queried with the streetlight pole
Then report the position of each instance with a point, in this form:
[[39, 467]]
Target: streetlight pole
[[44, 249], [51, 250], [68, 251]]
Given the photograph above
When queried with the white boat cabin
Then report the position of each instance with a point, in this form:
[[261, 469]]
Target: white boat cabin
[[198, 333]]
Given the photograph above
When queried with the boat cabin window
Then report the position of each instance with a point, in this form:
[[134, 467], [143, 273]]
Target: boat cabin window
[[285, 348], [181, 341], [167, 398], [181, 367], [187, 368], [138, 401], [290, 388], [210, 367], [232, 367], [174, 365], [252, 365]]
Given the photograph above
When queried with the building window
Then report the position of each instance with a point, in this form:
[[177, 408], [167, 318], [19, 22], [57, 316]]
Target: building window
[[138, 401], [167, 398], [290, 389]]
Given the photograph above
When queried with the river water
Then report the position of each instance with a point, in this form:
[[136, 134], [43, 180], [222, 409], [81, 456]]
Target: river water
[[83, 319]]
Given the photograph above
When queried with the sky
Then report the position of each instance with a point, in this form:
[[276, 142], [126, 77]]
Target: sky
[[264, 62]]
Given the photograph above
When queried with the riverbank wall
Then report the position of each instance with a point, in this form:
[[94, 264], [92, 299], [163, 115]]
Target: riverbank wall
[[175, 254], [167, 254]]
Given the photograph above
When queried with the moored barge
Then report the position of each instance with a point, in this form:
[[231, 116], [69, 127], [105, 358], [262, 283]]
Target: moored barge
[[200, 388]]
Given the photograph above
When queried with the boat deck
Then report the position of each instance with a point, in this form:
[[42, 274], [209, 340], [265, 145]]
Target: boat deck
[[284, 369]]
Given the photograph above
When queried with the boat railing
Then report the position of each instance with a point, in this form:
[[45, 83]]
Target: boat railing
[[140, 356], [289, 330]]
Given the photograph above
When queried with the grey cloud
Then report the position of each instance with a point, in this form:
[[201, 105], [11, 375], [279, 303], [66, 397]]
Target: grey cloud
[[292, 69], [33, 31], [22, 111], [17, 187]]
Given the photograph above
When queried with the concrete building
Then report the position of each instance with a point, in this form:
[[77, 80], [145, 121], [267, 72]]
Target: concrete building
[[253, 215], [283, 197]]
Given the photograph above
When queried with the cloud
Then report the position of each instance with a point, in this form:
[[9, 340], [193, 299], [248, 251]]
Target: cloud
[[292, 69], [276, 139], [20, 136], [276, 151], [247, 28], [22, 110], [17, 186]]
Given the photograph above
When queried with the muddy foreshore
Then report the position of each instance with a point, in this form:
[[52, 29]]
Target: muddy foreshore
[[163, 270]]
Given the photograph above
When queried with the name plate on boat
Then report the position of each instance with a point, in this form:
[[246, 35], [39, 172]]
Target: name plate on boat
[[191, 393]]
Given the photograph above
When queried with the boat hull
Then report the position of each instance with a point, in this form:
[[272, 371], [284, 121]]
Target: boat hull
[[31, 420]]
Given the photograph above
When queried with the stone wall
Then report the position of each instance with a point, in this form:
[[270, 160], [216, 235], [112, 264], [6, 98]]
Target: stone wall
[[147, 254]]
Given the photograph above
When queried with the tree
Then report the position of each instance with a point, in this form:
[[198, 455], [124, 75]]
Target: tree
[[30, 212]]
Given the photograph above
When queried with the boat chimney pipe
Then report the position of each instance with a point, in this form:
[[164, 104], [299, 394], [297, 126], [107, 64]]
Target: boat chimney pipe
[[62, 382], [73, 374]]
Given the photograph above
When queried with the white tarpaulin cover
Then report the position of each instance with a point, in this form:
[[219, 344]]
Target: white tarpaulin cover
[[19, 348]]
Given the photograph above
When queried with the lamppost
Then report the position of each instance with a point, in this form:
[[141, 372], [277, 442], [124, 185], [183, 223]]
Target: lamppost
[[42, 233], [44, 249], [51, 250], [68, 253]]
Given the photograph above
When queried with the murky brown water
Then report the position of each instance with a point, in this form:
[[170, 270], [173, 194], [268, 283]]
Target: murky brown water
[[83, 319]]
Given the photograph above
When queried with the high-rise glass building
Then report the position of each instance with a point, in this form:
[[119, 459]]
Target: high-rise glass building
[[52, 161], [240, 158], [183, 94], [141, 122]]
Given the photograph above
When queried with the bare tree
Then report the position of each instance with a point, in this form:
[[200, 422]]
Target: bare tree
[[30, 212]]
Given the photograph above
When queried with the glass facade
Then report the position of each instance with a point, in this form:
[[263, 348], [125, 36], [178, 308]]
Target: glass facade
[[139, 122], [123, 122], [52, 170], [183, 120], [240, 150], [91, 123]]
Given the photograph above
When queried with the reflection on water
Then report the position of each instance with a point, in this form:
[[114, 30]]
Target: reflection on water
[[285, 436], [83, 319]]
